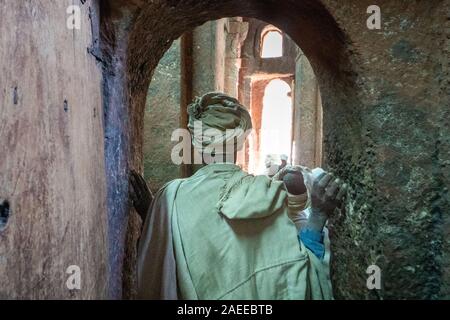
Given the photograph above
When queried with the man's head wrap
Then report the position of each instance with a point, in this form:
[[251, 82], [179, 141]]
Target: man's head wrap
[[218, 111]]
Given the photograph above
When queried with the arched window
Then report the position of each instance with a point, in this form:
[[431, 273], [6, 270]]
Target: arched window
[[271, 43]]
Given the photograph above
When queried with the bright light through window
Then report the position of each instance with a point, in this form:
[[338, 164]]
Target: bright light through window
[[276, 122], [272, 44]]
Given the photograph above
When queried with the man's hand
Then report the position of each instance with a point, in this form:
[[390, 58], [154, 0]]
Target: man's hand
[[140, 195], [327, 192]]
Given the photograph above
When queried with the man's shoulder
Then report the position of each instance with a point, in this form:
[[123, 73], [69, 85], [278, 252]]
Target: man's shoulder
[[170, 185]]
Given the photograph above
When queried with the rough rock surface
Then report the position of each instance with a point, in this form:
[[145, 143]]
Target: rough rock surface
[[162, 117]]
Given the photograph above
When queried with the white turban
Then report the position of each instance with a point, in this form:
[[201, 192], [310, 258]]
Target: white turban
[[216, 119]]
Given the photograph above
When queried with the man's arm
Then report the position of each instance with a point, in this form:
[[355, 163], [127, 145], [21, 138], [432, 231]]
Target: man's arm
[[140, 194], [326, 194]]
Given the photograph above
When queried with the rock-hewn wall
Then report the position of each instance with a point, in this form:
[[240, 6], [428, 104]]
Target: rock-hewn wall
[[162, 117], [397, 214], [384, 106], [52, 174]]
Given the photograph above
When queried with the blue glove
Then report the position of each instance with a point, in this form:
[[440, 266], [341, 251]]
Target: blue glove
[[313, 240]]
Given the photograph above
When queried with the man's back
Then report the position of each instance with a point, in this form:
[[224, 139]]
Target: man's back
[[224, 234], [233, 239]]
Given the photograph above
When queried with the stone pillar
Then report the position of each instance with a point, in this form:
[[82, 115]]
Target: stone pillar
[[208, 57], [307, 116], [236, 32]]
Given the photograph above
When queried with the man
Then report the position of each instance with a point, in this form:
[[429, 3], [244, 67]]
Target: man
[[283, 159], [271, 167], [225, 234]]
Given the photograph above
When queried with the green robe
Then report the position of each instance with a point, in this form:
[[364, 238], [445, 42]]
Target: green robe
[[231, 239]]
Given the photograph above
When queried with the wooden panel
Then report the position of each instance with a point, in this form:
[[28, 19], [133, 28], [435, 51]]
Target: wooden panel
[[52, 159]]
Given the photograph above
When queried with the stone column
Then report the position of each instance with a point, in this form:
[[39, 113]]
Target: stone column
[[307, 115], [208, 57], [236, 32]]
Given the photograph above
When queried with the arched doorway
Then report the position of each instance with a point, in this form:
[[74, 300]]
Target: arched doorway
[[276, 127], [151, 27]]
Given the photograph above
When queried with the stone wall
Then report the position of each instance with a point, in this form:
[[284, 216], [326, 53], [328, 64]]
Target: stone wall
[[162, 117], [397, 211]]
